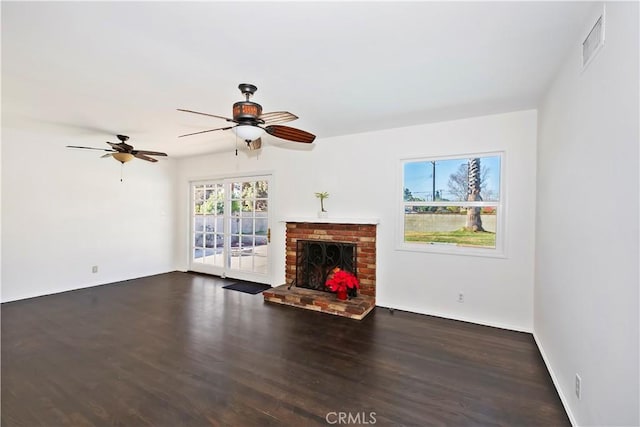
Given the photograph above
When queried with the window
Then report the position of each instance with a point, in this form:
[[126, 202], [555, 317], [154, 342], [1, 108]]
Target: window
[[453, 204]]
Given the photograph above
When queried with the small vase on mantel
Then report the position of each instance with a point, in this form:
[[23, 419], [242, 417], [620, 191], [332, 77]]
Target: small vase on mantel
[[342, 294], [322, 195]]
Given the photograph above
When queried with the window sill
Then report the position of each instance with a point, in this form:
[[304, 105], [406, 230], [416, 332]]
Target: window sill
[[451, 250]]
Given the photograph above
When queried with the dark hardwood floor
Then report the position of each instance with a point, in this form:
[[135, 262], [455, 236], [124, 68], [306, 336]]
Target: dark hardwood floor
[[178, 350]]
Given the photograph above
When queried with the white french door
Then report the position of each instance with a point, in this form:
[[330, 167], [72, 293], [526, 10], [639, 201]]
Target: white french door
[[230, 229]]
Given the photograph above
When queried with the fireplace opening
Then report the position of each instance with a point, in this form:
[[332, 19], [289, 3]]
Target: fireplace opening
[[315, 260]]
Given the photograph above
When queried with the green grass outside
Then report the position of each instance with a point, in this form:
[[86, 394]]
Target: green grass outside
[[459, 237]]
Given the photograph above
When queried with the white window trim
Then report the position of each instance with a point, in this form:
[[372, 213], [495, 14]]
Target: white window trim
[[442, 248]]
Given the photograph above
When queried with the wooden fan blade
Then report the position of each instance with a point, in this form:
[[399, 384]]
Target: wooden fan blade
[[206, 114], [143, 157], [205, 131], [148, 153], [292, 134], [90, 148], [277, 117]]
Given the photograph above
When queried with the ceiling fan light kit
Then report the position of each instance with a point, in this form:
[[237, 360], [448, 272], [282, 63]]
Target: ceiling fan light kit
[[123, 157], [248, 132]]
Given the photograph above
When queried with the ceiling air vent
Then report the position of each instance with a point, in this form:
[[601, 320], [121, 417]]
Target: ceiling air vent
[[594, 42]]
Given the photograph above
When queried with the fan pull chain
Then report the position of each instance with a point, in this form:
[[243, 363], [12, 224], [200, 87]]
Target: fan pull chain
[[121, 170]]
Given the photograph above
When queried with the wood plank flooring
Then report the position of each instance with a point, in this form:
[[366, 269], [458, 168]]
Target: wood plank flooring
[[178, 350]]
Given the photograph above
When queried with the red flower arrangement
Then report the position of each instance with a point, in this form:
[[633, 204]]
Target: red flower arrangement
[[341, 281]]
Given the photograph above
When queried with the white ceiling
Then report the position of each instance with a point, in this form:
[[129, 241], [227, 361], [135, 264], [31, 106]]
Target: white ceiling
[[88, 70]]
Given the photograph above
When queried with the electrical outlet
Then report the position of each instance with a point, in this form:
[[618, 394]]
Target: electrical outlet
[[94, 269], [460, 297], [578, 386]]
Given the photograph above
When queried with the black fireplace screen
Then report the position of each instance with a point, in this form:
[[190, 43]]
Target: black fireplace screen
[[316, 259]]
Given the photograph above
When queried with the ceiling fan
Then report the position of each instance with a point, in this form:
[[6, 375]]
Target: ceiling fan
[[124, 152], [251, 122]]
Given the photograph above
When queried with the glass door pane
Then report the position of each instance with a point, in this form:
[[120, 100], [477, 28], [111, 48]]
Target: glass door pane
[[197, 224], [208, 227], [249, 227]]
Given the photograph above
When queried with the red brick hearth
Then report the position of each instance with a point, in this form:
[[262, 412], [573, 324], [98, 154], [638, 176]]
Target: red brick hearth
[[361, 234]]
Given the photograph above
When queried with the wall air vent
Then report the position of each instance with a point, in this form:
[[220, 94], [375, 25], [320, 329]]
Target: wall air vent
[[594, 42]]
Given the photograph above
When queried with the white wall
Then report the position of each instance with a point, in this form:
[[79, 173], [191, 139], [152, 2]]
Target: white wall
[[64, 211], [586, 285], [361, 174]]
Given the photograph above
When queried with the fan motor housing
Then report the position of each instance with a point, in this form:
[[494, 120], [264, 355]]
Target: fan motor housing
[[246, 111]]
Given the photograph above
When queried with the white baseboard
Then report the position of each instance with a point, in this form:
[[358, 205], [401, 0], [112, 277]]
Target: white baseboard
[[556, 384], [111, 281], [461, 319]]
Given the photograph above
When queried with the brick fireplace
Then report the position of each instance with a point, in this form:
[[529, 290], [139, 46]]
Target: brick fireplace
[[362, 234]]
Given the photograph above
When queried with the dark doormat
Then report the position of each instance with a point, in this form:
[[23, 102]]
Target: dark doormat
[[247, 287]]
